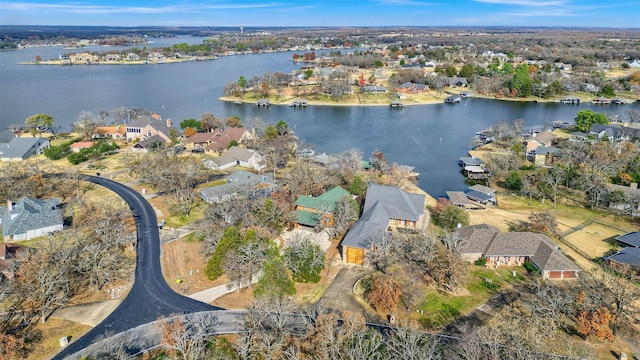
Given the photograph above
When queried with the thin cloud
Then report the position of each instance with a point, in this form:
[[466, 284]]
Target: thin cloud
[[100, 9], [523, 2], [406, 2]]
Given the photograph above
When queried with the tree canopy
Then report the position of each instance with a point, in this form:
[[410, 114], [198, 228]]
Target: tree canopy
[[585, 118]]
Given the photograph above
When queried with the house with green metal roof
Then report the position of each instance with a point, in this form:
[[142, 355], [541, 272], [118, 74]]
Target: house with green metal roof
[[312, 211]]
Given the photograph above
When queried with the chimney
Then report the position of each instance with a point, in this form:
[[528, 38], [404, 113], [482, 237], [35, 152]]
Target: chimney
[[10, 205], [634, 186], [169, 123]]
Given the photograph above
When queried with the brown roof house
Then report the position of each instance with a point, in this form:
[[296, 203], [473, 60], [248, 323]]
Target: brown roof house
[[219, 140], [516, 248], [385, 208]]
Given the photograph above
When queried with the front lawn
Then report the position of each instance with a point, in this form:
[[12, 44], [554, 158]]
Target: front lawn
[[441, 308]]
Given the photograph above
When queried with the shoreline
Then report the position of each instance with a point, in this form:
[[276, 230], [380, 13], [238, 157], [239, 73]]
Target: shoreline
[[287, 101]]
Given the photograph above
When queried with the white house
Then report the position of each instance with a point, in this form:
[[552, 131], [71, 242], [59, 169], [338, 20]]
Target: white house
[[237, 156]]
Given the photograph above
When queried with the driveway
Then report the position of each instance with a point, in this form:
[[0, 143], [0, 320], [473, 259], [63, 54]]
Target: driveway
[[339, 296]]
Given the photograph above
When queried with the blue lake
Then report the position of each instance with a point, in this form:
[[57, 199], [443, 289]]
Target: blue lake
[[429, 137]]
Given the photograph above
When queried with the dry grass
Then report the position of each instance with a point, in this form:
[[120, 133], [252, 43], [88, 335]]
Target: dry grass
[[52, 331], [595, 239], [182, 260]]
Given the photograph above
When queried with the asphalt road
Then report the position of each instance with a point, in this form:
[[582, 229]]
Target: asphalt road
[[150, 297]]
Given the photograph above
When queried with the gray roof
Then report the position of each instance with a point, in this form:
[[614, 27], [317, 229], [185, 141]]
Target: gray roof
[[151, 142], [233, 154], [628, 255], [381, 204], [22, 147], [483, 189], [630, 239], [458, 198], [540, 249], [238, 181], [6, 136], [468, 160], [144, 120], [545, 150], [30, 214]]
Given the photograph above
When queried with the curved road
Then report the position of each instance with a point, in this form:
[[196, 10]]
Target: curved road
[[150, 297]]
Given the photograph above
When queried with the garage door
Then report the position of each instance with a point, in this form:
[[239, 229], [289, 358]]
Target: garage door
[[355, 256], [555, 274]]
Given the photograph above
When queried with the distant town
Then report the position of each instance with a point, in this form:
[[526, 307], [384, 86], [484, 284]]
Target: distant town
[[247, 243]]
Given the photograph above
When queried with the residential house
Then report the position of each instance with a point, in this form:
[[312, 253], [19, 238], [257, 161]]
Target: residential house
[[630, 254], [240, 182], [610, 131], [21, 148], [629, 203], [29, 218], [77, 146], [386, 208], [154, 142], [544, 156], [635, 64], [10, 256], [374, 89], [536, 139], [457, 81], [482, 194], [218, 140], [237, 156], [312, 211], [6, 136], [116, 132], [515, 249], [412, 88], [147, 126]]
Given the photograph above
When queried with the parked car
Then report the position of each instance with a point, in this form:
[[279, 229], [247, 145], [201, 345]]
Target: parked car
[[197, 150]]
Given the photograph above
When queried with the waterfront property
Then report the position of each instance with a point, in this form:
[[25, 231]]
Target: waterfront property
[[298, 102], [21, 148], [386, 209], [237, 156], [240, 182], [313, 211], [147, 126], [452, 99], [516, 249], [29, 217], [571, 100]]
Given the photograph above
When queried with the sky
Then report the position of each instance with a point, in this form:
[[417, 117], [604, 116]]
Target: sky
[[252, 13]]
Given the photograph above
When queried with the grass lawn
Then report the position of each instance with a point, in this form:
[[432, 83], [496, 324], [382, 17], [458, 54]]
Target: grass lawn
[[52, 331], [440, 308]]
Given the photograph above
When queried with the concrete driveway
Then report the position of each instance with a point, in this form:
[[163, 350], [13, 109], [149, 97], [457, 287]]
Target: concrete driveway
[[339, 296]]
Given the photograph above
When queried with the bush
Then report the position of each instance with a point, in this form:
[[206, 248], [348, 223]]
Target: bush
[[481, 262], [57, 152], [530, 268], [513, 181]]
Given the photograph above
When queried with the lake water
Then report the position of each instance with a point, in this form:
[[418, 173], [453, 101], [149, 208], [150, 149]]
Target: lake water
[[429, 137]]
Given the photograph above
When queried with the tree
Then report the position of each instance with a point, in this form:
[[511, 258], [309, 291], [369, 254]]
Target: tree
[[274, 282], [190, 123], [10, 346], [608, 91], [39, 123], [521, 81], [385, 293], [513, 181], [189, 131], [543, 222], [242, 83], [305, 260], [87, 125], [585, 118], [246, 261], [451, 216], [188, 337], [230, 241], [282, 127]]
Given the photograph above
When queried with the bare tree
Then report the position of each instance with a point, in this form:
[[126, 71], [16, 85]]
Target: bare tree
[[188, 336], [245, 262]]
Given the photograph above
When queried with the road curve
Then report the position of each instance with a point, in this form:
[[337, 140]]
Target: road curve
[[150, 297]]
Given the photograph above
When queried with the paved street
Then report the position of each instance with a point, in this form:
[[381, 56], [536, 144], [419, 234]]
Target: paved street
[[150, 297]]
